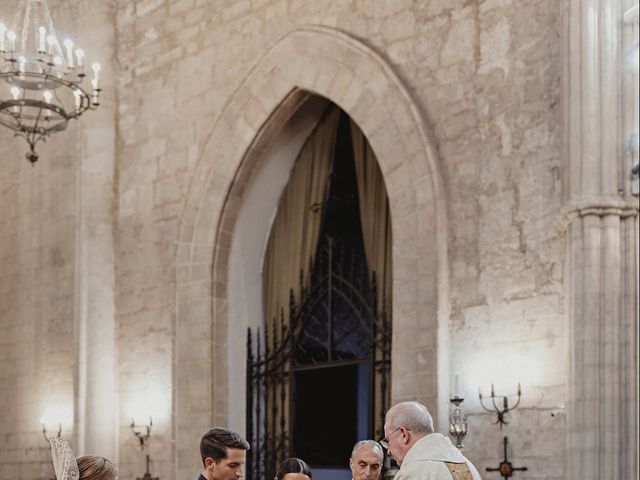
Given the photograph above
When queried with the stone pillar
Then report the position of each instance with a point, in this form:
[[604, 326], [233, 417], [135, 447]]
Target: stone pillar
[[601, 218], [96, 412]]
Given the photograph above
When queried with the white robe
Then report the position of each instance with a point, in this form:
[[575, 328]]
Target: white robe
[[425, 460]]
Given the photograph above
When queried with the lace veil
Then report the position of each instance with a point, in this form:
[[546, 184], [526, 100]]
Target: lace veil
[[64, 460]]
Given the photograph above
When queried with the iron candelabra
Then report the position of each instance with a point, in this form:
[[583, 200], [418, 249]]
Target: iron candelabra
[[500, 411]]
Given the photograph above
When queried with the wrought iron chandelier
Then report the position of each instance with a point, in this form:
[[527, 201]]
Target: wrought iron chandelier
[[41, 85]]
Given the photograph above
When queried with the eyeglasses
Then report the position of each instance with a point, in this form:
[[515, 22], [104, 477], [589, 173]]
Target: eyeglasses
[[385, 441]]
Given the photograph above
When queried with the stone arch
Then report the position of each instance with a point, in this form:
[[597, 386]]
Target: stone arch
[[310, 60]]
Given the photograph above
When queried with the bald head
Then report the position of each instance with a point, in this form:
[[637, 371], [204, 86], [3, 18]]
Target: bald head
[[404, 425], [412, 415]]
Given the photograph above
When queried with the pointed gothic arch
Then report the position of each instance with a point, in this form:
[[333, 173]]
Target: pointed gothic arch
[[309, 61]]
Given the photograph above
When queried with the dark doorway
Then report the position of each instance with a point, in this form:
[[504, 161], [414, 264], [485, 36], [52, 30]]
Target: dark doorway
[[326, 406]]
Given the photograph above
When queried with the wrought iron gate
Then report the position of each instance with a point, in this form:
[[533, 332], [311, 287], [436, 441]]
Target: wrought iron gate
[[336, 321]]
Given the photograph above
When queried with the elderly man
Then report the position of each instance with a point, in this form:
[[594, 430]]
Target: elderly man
[[366, 460], [421, 453]]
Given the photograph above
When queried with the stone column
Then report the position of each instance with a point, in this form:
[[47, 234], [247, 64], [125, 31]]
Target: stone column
[[96, 401], [600, 216]]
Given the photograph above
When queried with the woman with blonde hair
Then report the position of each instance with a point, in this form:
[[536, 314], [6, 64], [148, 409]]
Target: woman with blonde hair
[[84, 468]]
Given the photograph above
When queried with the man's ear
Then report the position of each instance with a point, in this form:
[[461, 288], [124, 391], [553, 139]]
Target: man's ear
[[406, 433], [208, 462]]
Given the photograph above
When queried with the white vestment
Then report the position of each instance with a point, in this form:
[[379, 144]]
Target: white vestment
[[428, 457]]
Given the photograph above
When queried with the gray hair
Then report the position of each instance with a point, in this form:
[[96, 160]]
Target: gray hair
[[411, 415], [375, 446]]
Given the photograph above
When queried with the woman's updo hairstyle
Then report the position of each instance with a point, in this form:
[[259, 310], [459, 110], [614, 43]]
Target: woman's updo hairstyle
[[96, 468], [292, 465]]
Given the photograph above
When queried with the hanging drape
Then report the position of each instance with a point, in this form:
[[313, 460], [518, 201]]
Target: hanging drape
[[374, 214], [296, 227]]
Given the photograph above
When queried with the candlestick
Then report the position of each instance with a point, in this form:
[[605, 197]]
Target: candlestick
[[500, 411]]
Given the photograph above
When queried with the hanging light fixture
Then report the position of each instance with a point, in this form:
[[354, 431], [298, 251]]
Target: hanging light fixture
[[41, 80]]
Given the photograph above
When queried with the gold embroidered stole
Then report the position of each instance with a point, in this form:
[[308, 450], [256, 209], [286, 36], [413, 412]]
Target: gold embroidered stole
[[459, 471]]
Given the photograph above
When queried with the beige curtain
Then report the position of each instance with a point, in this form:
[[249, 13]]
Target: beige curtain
[[374, 214], [296, 227]]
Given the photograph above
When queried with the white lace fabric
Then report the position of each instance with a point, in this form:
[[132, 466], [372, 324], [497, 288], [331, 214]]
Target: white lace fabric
[[64, 460]]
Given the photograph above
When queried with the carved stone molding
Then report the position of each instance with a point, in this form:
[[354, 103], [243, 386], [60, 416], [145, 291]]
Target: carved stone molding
[[602, 207]]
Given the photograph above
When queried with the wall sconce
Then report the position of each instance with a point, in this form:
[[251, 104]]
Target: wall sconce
[[457, 420], [54, 418], [501, 412], [143, 434], [47, 434]]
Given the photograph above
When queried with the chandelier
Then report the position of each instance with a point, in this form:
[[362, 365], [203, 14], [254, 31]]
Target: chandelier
[[41, 80]]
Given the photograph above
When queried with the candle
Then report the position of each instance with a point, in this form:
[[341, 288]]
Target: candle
[[78, 98], [51, 42], [47, 98], [79, 57], [15, 91], [68, 44], [42, 40], [57, 61], [22, 64], [493, 392], [479, 392], [456, 380], [3, 30], [11, 36], [519, 390], [96, 74]]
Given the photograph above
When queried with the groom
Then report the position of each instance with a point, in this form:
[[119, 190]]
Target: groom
[[224, 453]]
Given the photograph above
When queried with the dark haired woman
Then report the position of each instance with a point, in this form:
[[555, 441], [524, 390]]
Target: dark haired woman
[[293, 469]]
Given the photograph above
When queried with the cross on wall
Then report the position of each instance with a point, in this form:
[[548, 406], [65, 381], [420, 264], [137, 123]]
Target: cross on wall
[[506, 468]]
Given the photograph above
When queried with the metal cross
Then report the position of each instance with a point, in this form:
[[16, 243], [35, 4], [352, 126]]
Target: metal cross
[[506, 468]]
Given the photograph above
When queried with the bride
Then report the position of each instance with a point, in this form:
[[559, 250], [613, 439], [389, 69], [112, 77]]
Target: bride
[[84, 468]]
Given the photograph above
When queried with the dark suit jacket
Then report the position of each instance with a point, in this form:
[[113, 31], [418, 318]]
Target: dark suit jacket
[[202, 477]]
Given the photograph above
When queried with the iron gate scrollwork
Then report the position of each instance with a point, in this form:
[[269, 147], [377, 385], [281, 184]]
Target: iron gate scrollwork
[[337, 320]]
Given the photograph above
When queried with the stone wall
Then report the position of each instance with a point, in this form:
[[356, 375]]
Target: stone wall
[[37, 239], [57, 254]]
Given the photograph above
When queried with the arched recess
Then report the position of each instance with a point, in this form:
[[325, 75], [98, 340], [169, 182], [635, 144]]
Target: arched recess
[[310, 60]]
